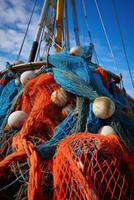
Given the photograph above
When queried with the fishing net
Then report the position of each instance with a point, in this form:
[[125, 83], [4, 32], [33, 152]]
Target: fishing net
[[8, 91], [90, 166], [19, 158], [85, 166], [44, 115]]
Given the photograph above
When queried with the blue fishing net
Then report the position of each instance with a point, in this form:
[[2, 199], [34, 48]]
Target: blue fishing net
[[8, 93], [93, 123], [76, 76], [48, 148]]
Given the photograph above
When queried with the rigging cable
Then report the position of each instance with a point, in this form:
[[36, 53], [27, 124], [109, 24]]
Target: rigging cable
[[122, 40], [33, 9], [75, 22], [88, 27], [106, 35], [67, 41]]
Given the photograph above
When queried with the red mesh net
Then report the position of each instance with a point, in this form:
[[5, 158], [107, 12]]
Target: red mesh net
[[44, 115], [90, 166], [86, 166]]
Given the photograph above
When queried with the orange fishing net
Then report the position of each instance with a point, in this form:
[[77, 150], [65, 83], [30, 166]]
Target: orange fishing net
[[91, 166], [86, 166], [43, 117]]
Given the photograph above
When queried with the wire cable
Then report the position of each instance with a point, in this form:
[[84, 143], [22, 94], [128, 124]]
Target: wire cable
[[106, 35], [122, 40], [88, 27], [23, 41]]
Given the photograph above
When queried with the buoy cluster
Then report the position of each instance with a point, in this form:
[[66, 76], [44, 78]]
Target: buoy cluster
[[103, 107]]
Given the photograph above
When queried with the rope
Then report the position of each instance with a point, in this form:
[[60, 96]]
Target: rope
[[122, 40], [55, 42], [88, 27], [33, 9], [13, 182], [39, 46], [105, 33]]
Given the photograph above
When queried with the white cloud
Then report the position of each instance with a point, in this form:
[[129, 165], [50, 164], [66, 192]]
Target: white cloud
[[14, 15], [3, 61], [13, 11]]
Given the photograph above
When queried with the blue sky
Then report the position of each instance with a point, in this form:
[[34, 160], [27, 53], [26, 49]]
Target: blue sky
[[14, 16]]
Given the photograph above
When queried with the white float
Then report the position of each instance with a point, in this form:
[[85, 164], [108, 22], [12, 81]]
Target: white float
[[106, 130], [103, 107], [17, 119], [26, 76], [59, 97], [76, 51]]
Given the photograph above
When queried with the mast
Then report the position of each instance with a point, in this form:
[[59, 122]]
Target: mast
[[38, 33], [59, 28]]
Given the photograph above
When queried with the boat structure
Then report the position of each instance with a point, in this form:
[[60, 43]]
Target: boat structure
[[66, 123]]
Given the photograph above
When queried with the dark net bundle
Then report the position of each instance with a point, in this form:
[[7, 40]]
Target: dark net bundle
[[89, 166]]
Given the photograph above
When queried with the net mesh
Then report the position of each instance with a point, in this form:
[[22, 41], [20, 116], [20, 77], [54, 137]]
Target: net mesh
[[44, 115], [19, 147], [85, 166], [92, 167]]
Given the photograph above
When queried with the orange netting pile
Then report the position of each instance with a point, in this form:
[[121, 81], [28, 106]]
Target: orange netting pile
[[43, 117], [90, 166], [85, 166]]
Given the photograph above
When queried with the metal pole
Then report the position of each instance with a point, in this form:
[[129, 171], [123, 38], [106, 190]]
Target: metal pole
[[76, 30], [67, 40], [59, 24], [38, 33]]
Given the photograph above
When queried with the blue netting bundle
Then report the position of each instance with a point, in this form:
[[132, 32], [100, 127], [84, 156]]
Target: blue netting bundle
[[74, 84], [93, 123], [77, 77], [67, 62], [9, 91], [88, 52], [62, 130]]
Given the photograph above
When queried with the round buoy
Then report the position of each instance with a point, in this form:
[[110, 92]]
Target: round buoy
[[17, 119], [76, 51], [59, 97], [67, 109], [17, 81], [103, 107], [106, 130], [26, 76], [18, 62]]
